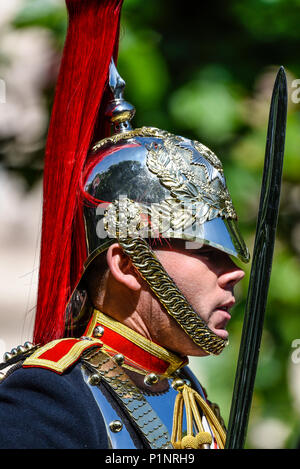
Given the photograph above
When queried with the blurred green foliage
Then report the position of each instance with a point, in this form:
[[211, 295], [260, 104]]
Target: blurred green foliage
[[206, 70]]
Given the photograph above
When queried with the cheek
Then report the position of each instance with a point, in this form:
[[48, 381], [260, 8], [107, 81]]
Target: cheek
[[190, 274], [194, 279]]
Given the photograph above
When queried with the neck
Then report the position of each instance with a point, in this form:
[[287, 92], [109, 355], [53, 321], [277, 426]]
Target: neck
[[138, 353]]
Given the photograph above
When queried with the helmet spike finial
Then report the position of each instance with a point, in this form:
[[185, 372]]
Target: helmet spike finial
[[119, 111]]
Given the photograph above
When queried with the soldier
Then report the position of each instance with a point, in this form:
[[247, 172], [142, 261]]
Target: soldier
[[136, 271]]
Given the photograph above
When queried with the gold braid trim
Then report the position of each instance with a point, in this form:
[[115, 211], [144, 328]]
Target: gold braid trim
[[170, 296], [140, 132], [152, 348]]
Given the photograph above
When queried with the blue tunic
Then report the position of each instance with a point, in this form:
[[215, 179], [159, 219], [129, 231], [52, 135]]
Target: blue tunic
[[40, 409]]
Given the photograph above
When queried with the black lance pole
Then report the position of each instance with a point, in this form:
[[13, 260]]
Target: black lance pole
[[261, 267]]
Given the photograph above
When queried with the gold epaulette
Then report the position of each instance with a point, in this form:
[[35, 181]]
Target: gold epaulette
[[60, 354]]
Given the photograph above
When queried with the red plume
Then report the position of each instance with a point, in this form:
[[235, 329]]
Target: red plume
[[92, 40]]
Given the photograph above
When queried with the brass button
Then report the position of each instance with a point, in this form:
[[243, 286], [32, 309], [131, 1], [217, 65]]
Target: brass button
[[119, 359], [94, 379], [21, 349], [116, 426], [178, 384], [151, 379], [28, 345], [7, 356], [98, 331]]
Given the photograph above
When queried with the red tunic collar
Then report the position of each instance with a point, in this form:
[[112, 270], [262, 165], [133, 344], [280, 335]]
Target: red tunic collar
[[140, 354]]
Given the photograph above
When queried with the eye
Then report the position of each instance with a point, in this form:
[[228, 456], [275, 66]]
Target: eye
[[206, 250], [209, 253]]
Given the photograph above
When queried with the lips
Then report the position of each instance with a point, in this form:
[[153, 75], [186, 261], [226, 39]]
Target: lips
[[227, 305], [224, 308], [221, 318]]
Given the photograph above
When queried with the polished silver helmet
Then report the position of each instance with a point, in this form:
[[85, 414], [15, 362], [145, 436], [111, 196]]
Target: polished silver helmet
[[145, 184]]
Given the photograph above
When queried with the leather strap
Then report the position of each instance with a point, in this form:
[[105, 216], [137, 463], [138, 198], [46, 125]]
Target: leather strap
[[139, 411]]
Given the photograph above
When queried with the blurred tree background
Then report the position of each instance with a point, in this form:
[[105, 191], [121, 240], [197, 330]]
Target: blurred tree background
[[206, 71]]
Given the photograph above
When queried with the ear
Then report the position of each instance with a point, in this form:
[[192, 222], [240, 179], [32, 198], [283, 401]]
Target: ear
[[122, 268]]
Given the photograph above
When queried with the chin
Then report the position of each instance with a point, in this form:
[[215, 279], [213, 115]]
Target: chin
[[196, 351], [221, 333]]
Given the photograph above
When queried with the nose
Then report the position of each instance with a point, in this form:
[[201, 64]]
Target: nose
[[230, 275]]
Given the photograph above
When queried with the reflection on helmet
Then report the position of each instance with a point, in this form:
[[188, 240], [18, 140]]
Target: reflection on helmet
[[151, 183]]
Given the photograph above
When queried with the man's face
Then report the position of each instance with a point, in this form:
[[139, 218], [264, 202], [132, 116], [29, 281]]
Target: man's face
[[206, 277]]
